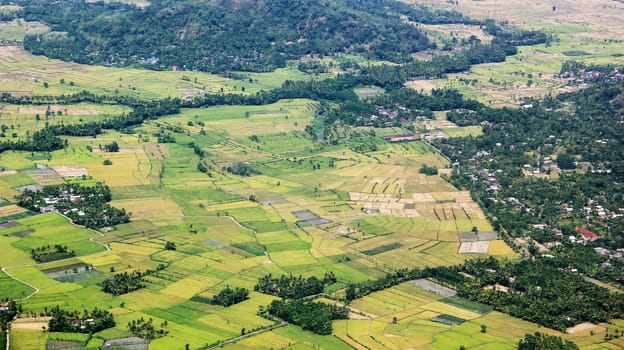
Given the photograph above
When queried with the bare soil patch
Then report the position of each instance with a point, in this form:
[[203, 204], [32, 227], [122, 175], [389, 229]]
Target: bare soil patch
[[55, 109], [20, 93], [461, 31], [581, 327], [497, 287], [478, 247], [70, 170], [9, 224], [434, 287], [48, 179], [31, 323], [424, 86], [191, 92]]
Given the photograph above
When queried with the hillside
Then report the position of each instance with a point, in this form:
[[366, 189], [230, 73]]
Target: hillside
[[217, 36]]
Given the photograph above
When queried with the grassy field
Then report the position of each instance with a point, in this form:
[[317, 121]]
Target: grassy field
[[23, 119], [25, 74], [27, 339]]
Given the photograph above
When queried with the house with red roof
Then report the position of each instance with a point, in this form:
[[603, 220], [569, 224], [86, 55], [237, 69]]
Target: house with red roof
[[587, 234]]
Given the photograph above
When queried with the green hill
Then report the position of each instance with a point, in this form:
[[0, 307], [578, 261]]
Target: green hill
[[219, 35]]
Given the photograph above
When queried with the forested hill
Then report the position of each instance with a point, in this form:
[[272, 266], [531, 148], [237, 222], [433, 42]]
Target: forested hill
[[220, 35]]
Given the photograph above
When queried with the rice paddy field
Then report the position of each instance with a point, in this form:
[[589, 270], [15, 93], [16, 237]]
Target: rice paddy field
[[306, 208], [316, 209]]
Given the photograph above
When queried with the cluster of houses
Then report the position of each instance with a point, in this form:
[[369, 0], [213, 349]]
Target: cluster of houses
[[386, 115], [50, 203], [402, 138], [545, 164], [437, 134], [489, 177], [589, 236], [151, 60], [82, 324], [584, 236], [582, 76]]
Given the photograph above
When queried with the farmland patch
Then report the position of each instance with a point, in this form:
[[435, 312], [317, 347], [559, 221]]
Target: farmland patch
[[382, 249], [71, 273], [434, 287], [477, 247], [70, 170], [308, 218], [448, 319]]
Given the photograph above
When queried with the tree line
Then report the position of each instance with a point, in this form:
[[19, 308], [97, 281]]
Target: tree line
[[230, 296], [77, 322], [312, 316], [127, 282], [48, 253], [291, 287], [146, 329], [294, 306]]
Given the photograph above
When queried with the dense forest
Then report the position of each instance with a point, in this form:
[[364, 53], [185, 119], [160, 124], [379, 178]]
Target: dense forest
[[312, 316], [44, 140], [49, 253], [7, 316], [123, 283], [296, 306], [146, 329], [126, 282], [222, 36], [291, 287]]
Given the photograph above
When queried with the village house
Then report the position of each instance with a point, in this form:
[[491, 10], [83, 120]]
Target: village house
[[401, 138], [587, 234], [47, 209]]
